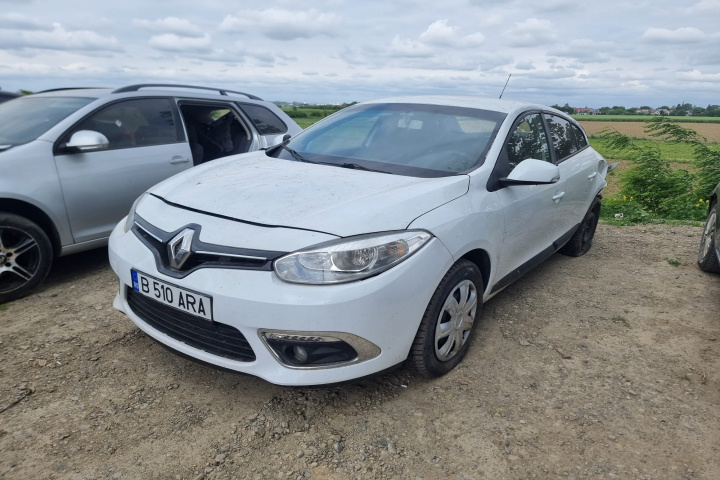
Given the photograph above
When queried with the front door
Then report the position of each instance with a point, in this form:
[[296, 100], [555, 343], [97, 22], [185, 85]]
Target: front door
[[533, 213], [146, 146]]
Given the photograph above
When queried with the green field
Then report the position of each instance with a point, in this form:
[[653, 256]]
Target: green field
[[673, 152], [642, 118]]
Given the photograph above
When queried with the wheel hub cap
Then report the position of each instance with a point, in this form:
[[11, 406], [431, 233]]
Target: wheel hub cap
[[456, 320], [19, 258]]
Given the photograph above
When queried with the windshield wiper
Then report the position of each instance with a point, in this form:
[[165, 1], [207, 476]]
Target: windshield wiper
[[357, 166], [295, 154]]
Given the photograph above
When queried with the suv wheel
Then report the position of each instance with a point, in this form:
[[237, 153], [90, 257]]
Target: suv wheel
[[25, 256]]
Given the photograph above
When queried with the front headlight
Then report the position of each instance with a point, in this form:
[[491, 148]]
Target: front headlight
[[130, 220], [350, 259]]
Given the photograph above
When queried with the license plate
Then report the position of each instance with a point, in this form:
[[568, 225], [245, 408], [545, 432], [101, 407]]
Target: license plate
[[173, 296]]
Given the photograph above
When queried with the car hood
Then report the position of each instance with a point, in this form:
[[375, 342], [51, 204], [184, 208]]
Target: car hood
[[281, 193]]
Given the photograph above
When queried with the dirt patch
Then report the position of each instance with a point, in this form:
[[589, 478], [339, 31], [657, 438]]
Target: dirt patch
[[711, 131], [604, 366]]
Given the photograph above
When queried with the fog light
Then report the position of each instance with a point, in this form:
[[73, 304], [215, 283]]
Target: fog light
[[309, 350], [300, 354]]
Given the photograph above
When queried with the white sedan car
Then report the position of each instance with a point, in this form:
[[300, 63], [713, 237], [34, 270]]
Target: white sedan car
[[370, 239]]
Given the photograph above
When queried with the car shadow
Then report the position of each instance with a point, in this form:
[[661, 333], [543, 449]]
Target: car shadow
[[77, 266]]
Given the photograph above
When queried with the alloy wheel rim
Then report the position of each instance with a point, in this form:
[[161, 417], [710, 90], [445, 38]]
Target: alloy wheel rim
[[20, 255], [456, 320], [708, 234]]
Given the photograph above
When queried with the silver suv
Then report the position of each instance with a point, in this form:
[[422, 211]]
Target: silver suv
[[72, 161]]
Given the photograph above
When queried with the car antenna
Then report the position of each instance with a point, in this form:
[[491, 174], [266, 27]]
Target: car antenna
[[503, 90]]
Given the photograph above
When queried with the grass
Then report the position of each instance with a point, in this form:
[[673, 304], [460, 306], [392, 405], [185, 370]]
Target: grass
[[642, 118]]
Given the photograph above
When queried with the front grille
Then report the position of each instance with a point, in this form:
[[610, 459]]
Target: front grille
[[211, 337]]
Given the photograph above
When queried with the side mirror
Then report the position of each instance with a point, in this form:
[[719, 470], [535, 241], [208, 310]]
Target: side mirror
[[87, 141], [532, 172]]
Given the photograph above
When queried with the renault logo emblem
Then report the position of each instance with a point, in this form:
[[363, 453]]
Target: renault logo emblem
[[180, 247]]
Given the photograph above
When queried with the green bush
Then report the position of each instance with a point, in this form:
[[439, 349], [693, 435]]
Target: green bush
[[651, 188]]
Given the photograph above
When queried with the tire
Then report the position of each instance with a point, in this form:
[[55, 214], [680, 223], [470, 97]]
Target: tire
[[707, 256], [582, 240], [444, 337], [26, 256]]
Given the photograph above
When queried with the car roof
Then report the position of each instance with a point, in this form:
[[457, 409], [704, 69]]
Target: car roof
[[481, 103], [145, 90]]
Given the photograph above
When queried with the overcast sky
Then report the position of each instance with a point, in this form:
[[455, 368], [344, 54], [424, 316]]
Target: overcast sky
[[600, 53]]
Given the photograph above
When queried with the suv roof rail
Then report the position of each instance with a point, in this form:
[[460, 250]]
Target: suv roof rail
[[69, 88], [221, 91]]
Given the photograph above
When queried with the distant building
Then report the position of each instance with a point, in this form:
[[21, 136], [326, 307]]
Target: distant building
[[587, 111]]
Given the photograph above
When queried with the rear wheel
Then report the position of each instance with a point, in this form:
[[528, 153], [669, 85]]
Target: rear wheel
[[707, 256], [444, 335], [582, 239], [25, 256]]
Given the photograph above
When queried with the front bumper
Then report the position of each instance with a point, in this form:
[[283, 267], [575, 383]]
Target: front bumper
[[381, 314]]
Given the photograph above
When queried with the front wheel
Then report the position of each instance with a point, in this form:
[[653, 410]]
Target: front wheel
[[707, 256], [25, 256], [444, 335]]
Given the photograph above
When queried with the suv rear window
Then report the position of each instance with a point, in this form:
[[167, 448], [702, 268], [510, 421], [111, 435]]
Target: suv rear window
[[265, 121]]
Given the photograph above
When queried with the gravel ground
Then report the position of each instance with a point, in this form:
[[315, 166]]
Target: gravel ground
[[604, 366]]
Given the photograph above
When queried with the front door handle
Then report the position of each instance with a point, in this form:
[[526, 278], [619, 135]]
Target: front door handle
[[558, 196], [178, 159], [592, 175]]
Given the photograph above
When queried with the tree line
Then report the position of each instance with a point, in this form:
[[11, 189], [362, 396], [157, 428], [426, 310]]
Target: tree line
[[679, 110]]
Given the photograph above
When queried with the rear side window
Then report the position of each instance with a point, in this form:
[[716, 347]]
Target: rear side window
[[134, 123], [264, 120], [562, 136], [580, 140]]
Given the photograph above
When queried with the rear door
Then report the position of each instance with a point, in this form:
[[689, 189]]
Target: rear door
[[578, 165], [271, 123], [146, 146]]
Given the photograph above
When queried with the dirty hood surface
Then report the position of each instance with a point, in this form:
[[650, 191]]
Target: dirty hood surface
[[339, 201]]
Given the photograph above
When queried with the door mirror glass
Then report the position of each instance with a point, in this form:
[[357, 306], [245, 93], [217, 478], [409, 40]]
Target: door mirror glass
[[532, 172], [87, 141]]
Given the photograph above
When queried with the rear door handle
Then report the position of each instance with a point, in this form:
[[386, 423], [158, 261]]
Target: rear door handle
[[592, 175], [176, 160], [558, 196]]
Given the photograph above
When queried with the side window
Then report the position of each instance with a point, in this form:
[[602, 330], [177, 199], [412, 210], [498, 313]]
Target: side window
[[133, 123], [264, 120], [562, 137], [214, 131], [580, 140], [528, 141]]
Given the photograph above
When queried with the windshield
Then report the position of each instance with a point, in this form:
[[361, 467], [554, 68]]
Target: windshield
[[405, 139], [24, 119]]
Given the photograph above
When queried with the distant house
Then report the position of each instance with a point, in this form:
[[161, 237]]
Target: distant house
[[587, 111]]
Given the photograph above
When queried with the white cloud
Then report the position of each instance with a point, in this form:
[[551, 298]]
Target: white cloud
[[533, 32], [169, 42], [440, 33], [16, 21], [680, 35], [59, 39], [174, 25], [586, 51], [281, 24], [404, 47], [525, 66]]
